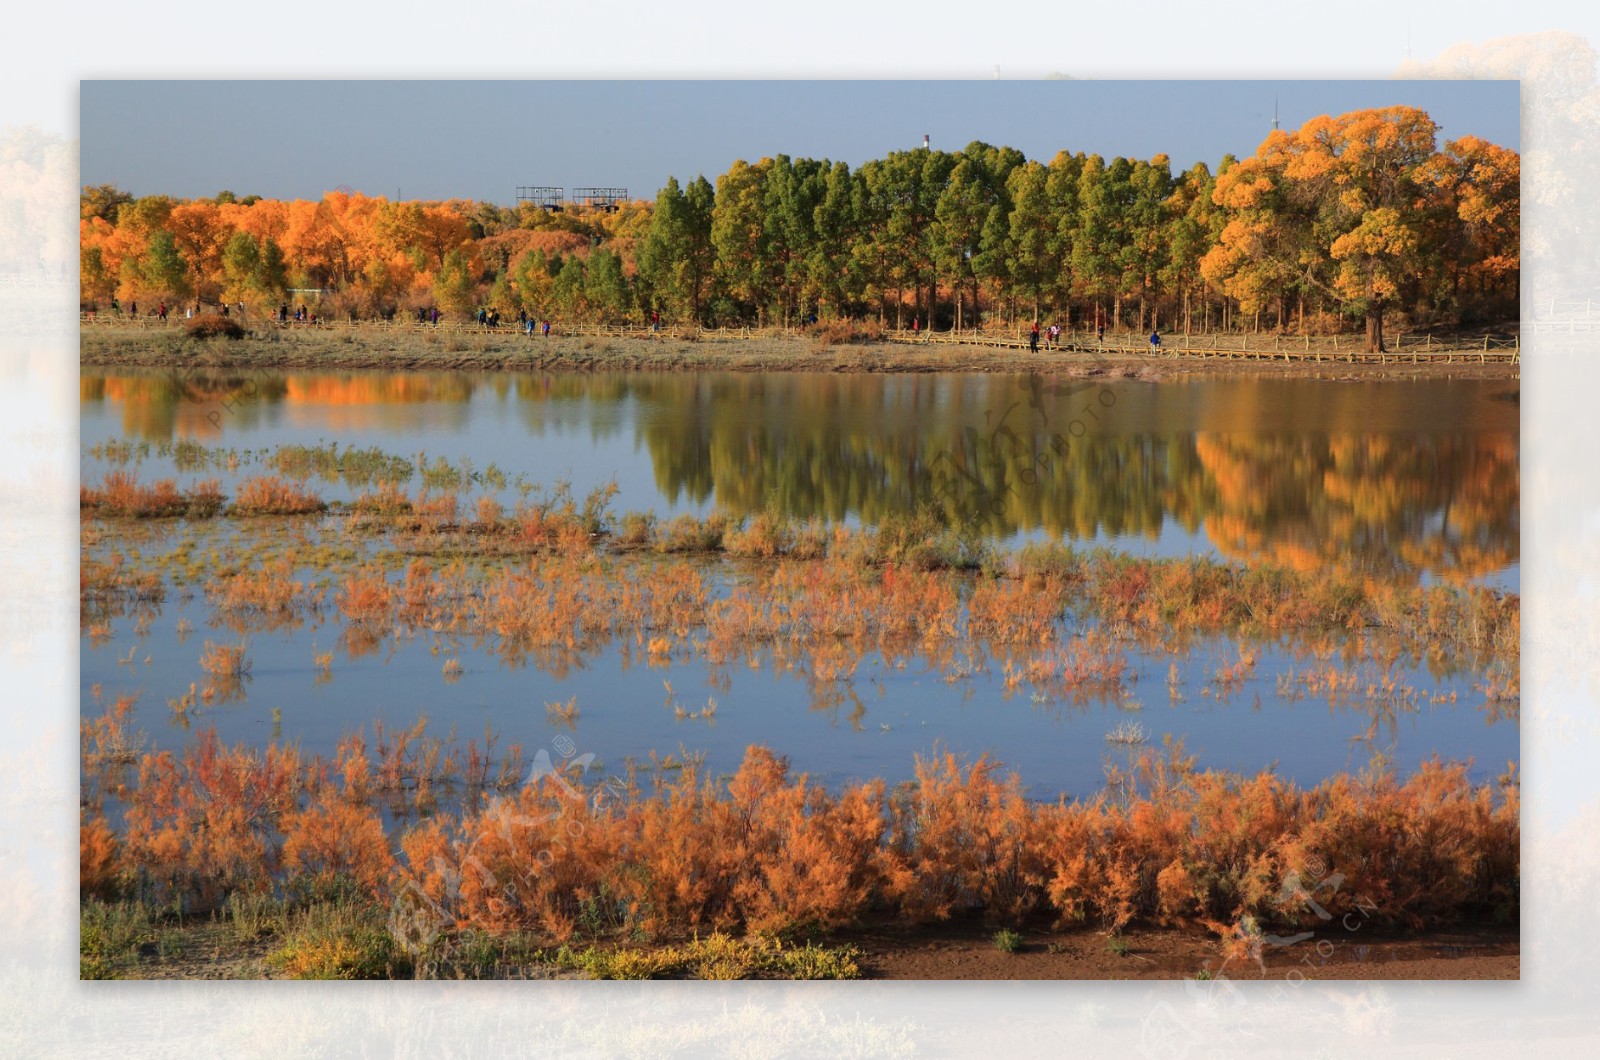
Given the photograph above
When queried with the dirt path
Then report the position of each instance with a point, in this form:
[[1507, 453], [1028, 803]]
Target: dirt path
[[1333, 953]]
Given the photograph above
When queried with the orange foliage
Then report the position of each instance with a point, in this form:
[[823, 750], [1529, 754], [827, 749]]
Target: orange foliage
[[272, 495], [206, 824], [121, 495], [969, 842], [775, 853], [336, 838], [97, 857]]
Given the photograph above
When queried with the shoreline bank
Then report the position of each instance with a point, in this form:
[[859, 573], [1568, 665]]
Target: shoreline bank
[[355, 349]]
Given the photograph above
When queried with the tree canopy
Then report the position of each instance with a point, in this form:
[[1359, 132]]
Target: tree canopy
[[1346, 219]]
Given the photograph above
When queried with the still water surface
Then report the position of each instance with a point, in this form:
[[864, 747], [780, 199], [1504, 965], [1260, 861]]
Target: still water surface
[[1410, 480]]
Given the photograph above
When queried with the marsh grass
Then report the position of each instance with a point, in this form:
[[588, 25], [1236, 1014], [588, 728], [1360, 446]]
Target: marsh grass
[[343, 939], [671, 851], [110, 935], [716, 956]]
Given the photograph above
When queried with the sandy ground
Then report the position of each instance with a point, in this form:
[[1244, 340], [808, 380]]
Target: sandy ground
[[112, 347], [962, 952]]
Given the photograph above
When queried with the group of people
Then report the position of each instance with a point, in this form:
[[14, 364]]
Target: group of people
[[161, 310], [1053, 336]]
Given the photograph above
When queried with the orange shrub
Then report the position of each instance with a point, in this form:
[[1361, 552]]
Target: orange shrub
[[121, 495], [336, 838], [367, 598], [387, 499], [224, 660], [273, 495], [969, 841], [811, 860], [97, 857], [268, 590], [436, 511], [205, 824]]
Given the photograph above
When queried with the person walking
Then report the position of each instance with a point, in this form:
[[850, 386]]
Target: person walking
[[1155, 341], [1033, 338]]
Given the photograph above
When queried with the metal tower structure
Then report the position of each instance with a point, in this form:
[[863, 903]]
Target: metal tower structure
[[607, 199], [552, 200]]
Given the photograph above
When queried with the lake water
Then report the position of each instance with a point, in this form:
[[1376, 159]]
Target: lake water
[[1414, 478], [1408, 480]]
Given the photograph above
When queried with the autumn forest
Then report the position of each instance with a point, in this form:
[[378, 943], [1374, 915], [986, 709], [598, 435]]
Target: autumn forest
[[1329, 227]]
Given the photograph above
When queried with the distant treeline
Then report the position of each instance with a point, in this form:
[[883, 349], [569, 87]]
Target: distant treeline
[[1345, 219]]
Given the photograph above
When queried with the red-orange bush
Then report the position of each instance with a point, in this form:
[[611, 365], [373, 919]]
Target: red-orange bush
[[205, 824], [969, 841], [273, 495], [336, 838]]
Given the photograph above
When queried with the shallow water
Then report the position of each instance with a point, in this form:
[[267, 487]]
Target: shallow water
[[893, 708], [1408, 480]]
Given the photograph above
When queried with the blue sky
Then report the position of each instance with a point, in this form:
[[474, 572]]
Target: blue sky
[[481, 139]]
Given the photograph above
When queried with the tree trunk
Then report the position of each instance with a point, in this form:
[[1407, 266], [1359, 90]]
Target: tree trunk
[[1375, 329]]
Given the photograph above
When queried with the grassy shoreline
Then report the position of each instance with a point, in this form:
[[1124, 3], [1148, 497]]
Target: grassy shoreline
[[508, 350]]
